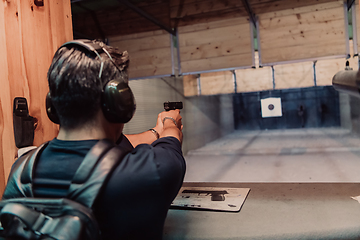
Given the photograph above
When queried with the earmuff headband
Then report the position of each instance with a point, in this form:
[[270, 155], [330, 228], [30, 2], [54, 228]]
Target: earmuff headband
[[118, 102]]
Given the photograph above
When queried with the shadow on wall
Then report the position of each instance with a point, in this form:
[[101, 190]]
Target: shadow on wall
[[205, 119], [355, 114]]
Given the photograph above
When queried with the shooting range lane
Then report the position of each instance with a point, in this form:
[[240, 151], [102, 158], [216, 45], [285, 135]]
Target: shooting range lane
[[296, 155], [275, 211], [301, 182]]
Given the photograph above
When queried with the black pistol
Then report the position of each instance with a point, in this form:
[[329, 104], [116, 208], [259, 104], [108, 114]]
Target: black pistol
[[172, 105]]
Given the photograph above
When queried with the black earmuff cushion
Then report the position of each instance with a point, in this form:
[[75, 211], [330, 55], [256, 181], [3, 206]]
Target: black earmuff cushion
[[50, 110], [118, 102]]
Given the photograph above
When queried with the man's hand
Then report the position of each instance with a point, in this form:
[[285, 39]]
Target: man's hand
[[171, 122], [165, 127]]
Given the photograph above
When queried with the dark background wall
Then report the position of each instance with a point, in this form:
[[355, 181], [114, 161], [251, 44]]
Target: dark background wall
[[355, 114], [320, 108]]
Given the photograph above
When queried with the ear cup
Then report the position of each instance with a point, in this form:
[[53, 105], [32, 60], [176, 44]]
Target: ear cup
[[118, 102], [50, 110]]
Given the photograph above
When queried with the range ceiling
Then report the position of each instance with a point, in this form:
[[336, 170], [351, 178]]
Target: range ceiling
[[105, 18]]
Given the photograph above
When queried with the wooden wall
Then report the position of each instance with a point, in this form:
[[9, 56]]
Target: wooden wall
[[29, 36], [217, 83], [190, 83], [252, 80], [295, 75], [190, 12], [150, 53], [215, 45], [307, 32], [292, 75]]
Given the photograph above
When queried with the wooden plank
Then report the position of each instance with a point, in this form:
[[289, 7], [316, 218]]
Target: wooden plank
[[59, 14], [223, 34], [150, 55], [156, 58], [223, 62], [208, 17], [217, 83], [311, 37], [303, 36], [146, 43], [7, 146], [213, 25], [182, 9], [272, 6], [302, 21], [216, 45], [295, 75], [316, 33], [214, 49], [302, 52], [253, 80], [326, 69], [190, 85], [30, 36]]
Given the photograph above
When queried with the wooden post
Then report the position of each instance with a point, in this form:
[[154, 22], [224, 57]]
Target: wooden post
[[29, 37]]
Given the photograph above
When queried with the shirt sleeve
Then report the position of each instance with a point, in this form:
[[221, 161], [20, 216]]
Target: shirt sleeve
[[124, 143], [171, 165]]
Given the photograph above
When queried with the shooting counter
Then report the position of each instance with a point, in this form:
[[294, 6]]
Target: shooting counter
[[275, 211]]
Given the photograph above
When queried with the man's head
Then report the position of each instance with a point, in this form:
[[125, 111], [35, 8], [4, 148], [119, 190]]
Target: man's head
[[77, 78]]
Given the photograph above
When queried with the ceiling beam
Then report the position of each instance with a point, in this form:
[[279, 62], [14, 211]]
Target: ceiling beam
[[350, 3], [147, 16], [95, 18], [249, 11], [78, 35]]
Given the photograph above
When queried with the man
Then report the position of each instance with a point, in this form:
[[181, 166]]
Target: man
[[135, 201]]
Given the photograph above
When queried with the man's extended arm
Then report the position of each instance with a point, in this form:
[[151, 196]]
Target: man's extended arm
[[165, 127]]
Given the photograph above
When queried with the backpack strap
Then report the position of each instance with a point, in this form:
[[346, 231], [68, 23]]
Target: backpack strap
[[44, 218], [87, 182], [20, 179], [94, 172]]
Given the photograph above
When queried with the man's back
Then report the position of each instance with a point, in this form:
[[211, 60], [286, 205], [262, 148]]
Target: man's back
[[134, 202]]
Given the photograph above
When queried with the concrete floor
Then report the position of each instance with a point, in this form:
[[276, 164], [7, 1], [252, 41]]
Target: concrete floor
[[296, 155]]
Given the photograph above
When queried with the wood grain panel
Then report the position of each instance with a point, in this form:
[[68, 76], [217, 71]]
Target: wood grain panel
[[150, 53], [217, 83], [216, 45], [190, 85], [298, 34], [179, 8], [214, 49], [215, 63], [29, 39], [272, 6], [7, 142], [213, 25], [253, 80], [326, 69], [295, 75], [185, 13]]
